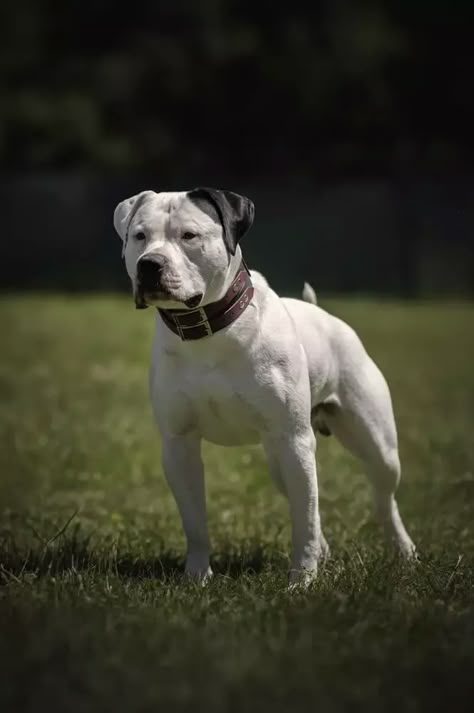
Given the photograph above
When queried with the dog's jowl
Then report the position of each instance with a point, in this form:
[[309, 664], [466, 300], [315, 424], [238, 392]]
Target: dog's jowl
[[233, 363]]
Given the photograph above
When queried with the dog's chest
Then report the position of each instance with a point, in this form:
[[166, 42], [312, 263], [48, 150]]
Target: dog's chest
[[217, 402]]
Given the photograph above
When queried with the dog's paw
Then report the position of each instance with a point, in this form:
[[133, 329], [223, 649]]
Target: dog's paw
[[301, 579], [325, 553], [411, 556], [198, 576], [407, 550]]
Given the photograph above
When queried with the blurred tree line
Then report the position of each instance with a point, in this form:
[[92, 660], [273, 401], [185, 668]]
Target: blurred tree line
[[349, 124], [255, 88]]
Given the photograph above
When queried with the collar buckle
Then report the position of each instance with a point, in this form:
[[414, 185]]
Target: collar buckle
[[203, 322], [178, 326]]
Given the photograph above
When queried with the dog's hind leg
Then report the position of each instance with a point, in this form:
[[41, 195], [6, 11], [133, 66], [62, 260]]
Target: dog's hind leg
[[365, 425]]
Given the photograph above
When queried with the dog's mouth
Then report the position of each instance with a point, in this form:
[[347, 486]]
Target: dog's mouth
[[195, 301], [148, 298], [165, 299]]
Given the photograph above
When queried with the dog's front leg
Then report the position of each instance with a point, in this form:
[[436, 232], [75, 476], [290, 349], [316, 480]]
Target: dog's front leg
[[182, 464], [295, 454]]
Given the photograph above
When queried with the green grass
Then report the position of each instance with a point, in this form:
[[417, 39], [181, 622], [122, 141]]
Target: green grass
[[93, 613]]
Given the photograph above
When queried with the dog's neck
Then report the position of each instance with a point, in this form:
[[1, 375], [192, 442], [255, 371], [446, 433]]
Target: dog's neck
[[219, 286]]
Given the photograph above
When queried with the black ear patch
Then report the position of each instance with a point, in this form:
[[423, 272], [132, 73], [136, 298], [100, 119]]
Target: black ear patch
[[235, 213]]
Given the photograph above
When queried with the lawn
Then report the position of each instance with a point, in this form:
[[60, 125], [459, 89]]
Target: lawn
[[94, 615]]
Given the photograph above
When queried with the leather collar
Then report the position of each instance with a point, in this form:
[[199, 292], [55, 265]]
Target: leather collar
[[205, 321]]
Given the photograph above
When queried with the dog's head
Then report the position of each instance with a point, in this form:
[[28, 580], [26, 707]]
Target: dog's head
[[177, 246]]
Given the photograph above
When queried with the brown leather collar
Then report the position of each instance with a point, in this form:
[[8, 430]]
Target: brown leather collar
[[205, 321]]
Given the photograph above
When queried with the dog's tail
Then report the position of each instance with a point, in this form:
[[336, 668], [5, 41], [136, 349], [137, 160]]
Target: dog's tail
[[309, 295]]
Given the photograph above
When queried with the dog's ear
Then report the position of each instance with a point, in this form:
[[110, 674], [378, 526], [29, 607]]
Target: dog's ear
[[124, 212], [235, 213]]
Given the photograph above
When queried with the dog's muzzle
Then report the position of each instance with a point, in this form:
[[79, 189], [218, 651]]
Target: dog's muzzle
[[149, 274], [149, 271]]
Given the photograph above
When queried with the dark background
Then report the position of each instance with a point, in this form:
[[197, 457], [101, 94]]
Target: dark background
[[349, 124]]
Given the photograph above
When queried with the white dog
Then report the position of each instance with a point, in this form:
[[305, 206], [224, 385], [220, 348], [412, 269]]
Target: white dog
[[233, 363]]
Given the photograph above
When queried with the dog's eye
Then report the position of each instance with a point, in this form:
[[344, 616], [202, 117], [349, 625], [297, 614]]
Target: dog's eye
[[140, 236], [188, 236]]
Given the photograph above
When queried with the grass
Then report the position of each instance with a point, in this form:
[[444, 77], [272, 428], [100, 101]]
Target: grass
[[93, 613]]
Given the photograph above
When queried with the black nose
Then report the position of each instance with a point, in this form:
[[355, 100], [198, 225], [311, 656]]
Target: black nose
[[149, 270]]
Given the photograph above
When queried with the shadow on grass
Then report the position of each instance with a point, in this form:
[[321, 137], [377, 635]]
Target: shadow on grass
[[77, 552], [71, 550]]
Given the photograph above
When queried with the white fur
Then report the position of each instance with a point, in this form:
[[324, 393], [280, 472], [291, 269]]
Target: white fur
[[257, 380]]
